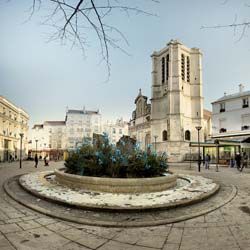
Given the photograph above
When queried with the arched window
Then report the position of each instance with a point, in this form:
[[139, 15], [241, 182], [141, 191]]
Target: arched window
[[187, 135], [164, 135]]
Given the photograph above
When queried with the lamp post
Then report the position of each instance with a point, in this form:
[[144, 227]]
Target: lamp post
[[217, 155], [199, 157], [155, 137], [21, 144]]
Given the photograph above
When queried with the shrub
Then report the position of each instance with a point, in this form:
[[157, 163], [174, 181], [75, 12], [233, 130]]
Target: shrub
[[103, 159]]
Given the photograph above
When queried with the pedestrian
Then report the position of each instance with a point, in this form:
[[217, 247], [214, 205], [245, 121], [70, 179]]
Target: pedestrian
[[207, 161], [36, 161], [46, 162], [238, 160], [232, 162], [244, 161]]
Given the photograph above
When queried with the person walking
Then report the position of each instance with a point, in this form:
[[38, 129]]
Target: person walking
[[207, 161], [36, 161], [46, 162], [238, 160], [244, 161]]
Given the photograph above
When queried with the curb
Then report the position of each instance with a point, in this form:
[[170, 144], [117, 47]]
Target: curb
[[111, 223]]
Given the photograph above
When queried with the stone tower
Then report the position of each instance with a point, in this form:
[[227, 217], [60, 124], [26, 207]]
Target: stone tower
[[177, 101]]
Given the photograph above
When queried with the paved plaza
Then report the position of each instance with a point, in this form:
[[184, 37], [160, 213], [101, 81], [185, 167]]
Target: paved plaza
[[225, 228]]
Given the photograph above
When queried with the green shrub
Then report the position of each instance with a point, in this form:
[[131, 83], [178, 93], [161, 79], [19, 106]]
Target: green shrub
[[103, 159]]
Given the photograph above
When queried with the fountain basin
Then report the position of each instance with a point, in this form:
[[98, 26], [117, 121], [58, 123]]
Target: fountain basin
[[116, 185]]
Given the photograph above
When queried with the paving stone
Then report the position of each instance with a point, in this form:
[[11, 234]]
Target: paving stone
[[40, 238], [3, 242], [155, 241], [13, 220], [72, 246], [91, 241], [28, 224], [72, 234], [8, 228], [58, 226], [30, 217], [45, 221], [107, 233], [175, 235], [113, 245], [171, 246]]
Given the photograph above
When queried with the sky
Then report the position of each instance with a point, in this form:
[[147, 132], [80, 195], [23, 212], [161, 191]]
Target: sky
[[46, 77]]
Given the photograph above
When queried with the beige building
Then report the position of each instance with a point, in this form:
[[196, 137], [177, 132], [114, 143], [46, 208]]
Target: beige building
[[13, 122], [169, 122], [115, 130], [53, 138]]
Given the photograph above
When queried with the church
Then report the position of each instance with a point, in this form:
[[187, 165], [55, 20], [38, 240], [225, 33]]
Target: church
[[169, 120]]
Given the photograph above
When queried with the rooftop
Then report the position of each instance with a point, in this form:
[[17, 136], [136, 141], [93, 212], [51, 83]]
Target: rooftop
[[239, 94], [54, 123], [82, 111]]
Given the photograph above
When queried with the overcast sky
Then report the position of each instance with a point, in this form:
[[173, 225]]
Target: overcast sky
[[44, 78]]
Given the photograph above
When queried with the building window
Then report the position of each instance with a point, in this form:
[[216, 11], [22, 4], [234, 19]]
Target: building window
[[222, 107], [120, 131], [163, 69], [245, 103], [167, 67], [188, 69], [114, 131], [187, 135], [183, 67], [164, 135]]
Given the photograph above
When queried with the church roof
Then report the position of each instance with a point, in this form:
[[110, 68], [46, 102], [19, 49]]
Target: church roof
[[140, 95]]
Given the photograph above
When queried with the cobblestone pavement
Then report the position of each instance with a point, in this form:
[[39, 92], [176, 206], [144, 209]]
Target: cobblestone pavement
[[225, 228]]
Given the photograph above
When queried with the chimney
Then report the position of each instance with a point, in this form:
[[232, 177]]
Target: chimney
[[241, 88]]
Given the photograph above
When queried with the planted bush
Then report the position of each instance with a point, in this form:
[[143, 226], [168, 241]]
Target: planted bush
[[125, 160]]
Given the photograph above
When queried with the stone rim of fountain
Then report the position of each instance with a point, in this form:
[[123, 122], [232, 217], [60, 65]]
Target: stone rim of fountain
[[116, 185], [198, 189]]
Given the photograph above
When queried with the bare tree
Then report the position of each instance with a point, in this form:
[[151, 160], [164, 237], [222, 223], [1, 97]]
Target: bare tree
[[237, 26], [74, 20]]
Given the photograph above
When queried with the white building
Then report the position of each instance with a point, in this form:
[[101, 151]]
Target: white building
[[176, 109], [231, 115], [49, 139], [13, 122], [115, 130], [53, 138], [81, 124]]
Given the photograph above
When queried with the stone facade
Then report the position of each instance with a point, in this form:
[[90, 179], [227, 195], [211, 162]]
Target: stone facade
[[13, 121], [81, 124], [176, 109], [47, 137], [231, 114], [54, 137], [115, 130]]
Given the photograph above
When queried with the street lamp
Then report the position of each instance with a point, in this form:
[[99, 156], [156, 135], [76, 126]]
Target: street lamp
[[199, 157], [155, 137], [21, 141]]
